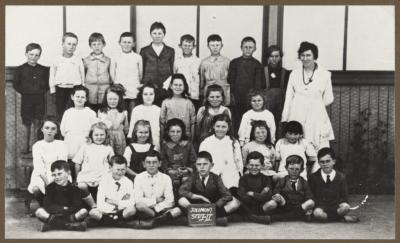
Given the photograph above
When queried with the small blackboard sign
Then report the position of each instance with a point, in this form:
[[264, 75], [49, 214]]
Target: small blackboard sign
[[201, 215]]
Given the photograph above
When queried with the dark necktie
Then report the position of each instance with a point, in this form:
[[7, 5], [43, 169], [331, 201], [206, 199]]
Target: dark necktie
[[118, 185], [203, 181], [328, 179], [293, 185]]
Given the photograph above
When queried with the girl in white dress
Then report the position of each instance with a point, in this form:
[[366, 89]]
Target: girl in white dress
[[294, 144], [147, 111], [308, 92], [76, 123], [44, 153], [92, 162], [225, 152], [257, 112]]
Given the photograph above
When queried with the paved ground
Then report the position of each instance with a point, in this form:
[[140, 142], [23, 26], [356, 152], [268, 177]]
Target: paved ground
[[377, 222]]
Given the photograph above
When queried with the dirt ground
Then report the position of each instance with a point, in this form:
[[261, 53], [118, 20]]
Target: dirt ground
[[377, 222]]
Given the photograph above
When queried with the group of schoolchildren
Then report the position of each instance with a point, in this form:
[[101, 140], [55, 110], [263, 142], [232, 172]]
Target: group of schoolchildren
[[124, 161]]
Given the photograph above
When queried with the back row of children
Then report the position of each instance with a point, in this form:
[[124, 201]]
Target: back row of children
[[155, 65]]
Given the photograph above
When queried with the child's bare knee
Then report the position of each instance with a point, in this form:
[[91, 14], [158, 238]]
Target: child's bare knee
[[232, 205], [83, 186], [81, 214], [95, 213], [309, 204], [129, 211], [140, 206], [270, 205], [319, 214], [41, 213], [183, 202], [343, 209]]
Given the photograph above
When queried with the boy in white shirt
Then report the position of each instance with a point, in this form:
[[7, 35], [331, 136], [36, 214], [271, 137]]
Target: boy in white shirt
[[115, 200], [153, 193], [66, 72]]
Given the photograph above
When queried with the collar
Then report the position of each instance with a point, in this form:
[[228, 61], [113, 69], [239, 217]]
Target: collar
[[101, 58], [152, 176], [331, 175], [172, 145]]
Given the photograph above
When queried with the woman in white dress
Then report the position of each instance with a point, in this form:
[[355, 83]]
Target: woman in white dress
[[44, 152], [308, 93]]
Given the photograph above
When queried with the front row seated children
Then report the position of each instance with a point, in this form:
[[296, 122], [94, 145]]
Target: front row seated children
[[292, 197], [115, 200], [294, 143], [62, 205], [177, 155], [153, 193], [92, 162], [136, 151], [206, 187], [330, 190], [255, 190]]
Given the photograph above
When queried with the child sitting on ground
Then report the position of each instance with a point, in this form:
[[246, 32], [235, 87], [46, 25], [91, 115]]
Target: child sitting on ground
[[115, 200], [292, 195], [62, 204], [255, 189], [153, 194], [206, 187], [330, 190]]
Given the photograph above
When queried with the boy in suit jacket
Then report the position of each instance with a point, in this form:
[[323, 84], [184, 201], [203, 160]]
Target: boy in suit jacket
[[206, 187], [330, 190], [292, 195]]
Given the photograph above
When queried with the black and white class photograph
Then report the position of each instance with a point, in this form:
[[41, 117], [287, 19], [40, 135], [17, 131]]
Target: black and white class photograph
[[199, 122]]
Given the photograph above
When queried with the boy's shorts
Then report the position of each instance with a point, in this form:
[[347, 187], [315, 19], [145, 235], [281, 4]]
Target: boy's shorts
[[32, 107]]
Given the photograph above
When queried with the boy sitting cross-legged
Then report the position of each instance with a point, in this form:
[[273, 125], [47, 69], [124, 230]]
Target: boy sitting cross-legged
[[330, 190], [62, 204], [255, 190], [292, 195], [115, 200], [206, 187], [153, 194]]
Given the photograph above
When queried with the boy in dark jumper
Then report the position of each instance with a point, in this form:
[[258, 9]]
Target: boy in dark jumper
[[31, 81], [206, 187], [255, 190], [62, 204], [329, 188], [292, 195]]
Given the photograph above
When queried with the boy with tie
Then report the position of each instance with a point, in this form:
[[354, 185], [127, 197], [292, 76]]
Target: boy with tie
[[330, 190], [206, 187], [292, 197]]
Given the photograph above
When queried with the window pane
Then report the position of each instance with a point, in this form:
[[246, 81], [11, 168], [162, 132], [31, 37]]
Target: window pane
[[321, 25], [371, 38], [178, 20], [232, 23], [39, 24], [111, 21]]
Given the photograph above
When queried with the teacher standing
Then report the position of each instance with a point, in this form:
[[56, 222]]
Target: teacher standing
[[308, 93]]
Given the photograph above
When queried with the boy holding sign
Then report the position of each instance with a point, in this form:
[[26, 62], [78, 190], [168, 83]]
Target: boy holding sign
[[206, 187]]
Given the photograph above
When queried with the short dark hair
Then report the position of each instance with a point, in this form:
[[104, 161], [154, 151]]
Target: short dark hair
[[326, 151], [293, 127], [305, 46], [69, 34], [118, 159], [213, 37], [127, 34], [175, 122], [60, 165], [295, 159], [74, 90], [255, 155], [33, 46], [96, 37], [273, 48], [205, 155], [247, 39], [256, 92], [152, 153], [158, 25], [188, 38], [185, 93], [53, 120]]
